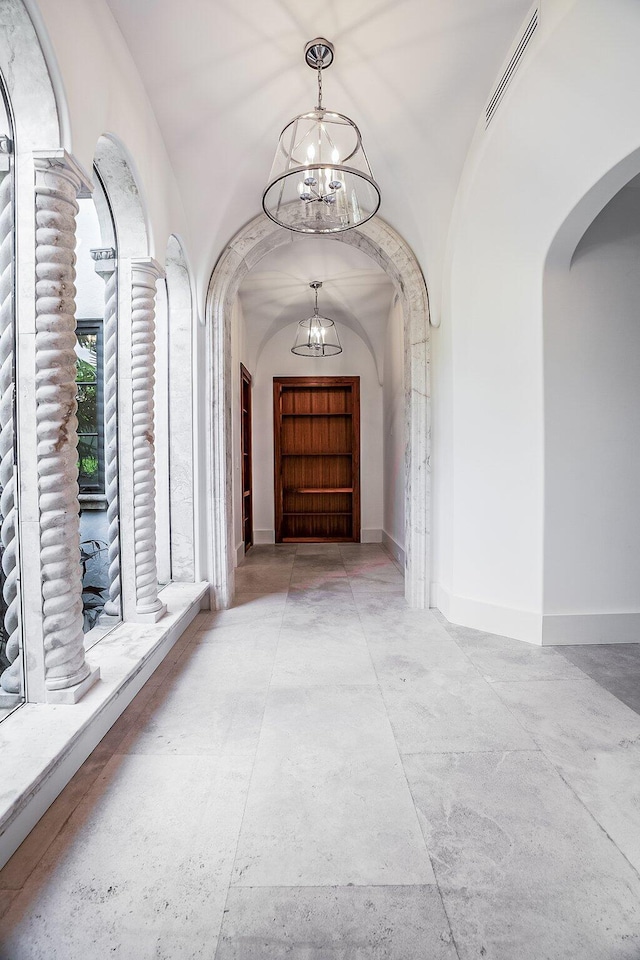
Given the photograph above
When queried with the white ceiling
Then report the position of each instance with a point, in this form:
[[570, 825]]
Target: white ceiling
[[355, 292], [224, 76]]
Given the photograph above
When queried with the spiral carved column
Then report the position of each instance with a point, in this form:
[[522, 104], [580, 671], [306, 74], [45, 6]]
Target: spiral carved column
[[144, 275], [57, 184], [106, 267], [11, 679]]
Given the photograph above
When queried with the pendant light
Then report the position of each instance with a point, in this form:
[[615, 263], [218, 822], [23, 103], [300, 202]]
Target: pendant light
[[316, 336], [320, 181]]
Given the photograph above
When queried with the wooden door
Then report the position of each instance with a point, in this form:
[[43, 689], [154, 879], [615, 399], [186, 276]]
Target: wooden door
[[317, 458], [247, 467]]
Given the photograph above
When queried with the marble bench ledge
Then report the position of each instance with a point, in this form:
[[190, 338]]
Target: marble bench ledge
[[43, 745]]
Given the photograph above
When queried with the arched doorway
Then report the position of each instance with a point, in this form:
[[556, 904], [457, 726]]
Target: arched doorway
[[592, 417], [381, 242]]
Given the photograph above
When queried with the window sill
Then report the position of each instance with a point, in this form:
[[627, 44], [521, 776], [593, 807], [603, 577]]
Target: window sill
[[93, 501], [43, 745]]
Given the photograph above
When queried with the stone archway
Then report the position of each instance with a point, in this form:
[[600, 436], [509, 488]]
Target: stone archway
[[381, 242]]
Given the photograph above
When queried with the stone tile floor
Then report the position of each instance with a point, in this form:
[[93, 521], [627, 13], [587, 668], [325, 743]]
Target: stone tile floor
[[321, 773]]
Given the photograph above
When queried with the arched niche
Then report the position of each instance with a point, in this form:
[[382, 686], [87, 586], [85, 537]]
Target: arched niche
[[592, 416], [386, 247]]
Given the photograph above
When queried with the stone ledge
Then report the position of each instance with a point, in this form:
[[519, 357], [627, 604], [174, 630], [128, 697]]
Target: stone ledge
[[43, 745]]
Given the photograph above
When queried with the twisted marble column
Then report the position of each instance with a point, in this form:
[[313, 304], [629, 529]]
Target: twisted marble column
[[106, 267], [11, 679], [144, 275], [57, 184]]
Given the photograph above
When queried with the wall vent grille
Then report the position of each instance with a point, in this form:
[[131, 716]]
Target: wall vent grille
[[512, 66]]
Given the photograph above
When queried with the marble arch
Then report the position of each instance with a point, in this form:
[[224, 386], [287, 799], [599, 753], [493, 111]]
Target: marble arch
[[381, 242], [132, 540]]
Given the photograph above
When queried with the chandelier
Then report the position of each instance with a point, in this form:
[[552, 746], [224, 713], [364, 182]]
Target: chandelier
[[320, 181], [316, 336]]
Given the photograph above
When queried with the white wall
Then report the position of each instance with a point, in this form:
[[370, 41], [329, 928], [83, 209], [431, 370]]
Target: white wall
[[592, 420], [393, 406], [276, 360], [560, 128]]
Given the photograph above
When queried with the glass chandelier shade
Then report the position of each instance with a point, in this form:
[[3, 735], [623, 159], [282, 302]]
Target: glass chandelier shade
[[316, 336], [320, 181]]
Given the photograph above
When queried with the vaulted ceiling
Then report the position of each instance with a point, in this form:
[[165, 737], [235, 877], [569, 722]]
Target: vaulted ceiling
[[225, 76]]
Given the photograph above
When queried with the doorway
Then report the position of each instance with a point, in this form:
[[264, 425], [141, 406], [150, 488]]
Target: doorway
[[384, 245], [247, 465], [317, 459]]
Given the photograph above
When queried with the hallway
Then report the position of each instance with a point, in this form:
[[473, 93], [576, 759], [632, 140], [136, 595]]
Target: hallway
[[321, 772]]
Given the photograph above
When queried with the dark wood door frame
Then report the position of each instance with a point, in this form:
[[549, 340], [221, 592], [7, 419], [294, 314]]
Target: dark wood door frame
[[352, 485], [247, 458]]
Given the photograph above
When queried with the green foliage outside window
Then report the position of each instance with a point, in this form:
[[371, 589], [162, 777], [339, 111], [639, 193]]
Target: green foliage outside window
[[88, 430]]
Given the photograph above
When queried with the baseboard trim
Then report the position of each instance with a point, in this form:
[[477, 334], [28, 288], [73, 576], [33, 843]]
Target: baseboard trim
[[393, 548], [370, 535], [578, 628], [239, 553], [264, 536], [504, 621]]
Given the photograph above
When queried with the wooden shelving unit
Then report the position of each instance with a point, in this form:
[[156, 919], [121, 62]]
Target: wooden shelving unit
[[317, 458]]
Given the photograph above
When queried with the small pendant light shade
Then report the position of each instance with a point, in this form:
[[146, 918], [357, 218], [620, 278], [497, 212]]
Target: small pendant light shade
[[320, 181], [316, 336]]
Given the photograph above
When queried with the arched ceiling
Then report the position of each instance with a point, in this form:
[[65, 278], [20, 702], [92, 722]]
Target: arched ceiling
[[355, 292], [224, 77]]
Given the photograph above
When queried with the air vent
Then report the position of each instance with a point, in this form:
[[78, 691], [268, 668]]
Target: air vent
[[511, 67]]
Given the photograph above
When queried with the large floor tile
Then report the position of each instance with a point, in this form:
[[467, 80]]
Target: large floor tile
[[565, 715], [450, 710], [221, 660], [605, 660], [499, 658], [253, 608], [329, 802], [141, 870], [335, 923], [322, 658], [203, 720], [608, 783], [414, 658], [625, 688], [524, 870]]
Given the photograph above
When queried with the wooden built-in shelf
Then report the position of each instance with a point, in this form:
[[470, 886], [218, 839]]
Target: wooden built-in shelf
[[316, 513], [318, 490], [316, 424]]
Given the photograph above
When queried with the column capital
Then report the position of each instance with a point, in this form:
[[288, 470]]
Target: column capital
[[63, 164], [149, 266], [104, 259]]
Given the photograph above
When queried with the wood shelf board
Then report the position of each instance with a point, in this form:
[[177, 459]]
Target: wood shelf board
[[318, 490], [316, 513]]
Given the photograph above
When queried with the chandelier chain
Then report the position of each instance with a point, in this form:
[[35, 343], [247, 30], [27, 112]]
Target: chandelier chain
[[319, 84]]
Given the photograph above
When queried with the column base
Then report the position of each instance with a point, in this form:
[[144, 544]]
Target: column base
[[75, 693], [108, 620], [150, 616], [9, 700]]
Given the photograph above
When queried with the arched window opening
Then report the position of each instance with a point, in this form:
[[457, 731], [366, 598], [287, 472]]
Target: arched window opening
[[11, 668], [96, 377]]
